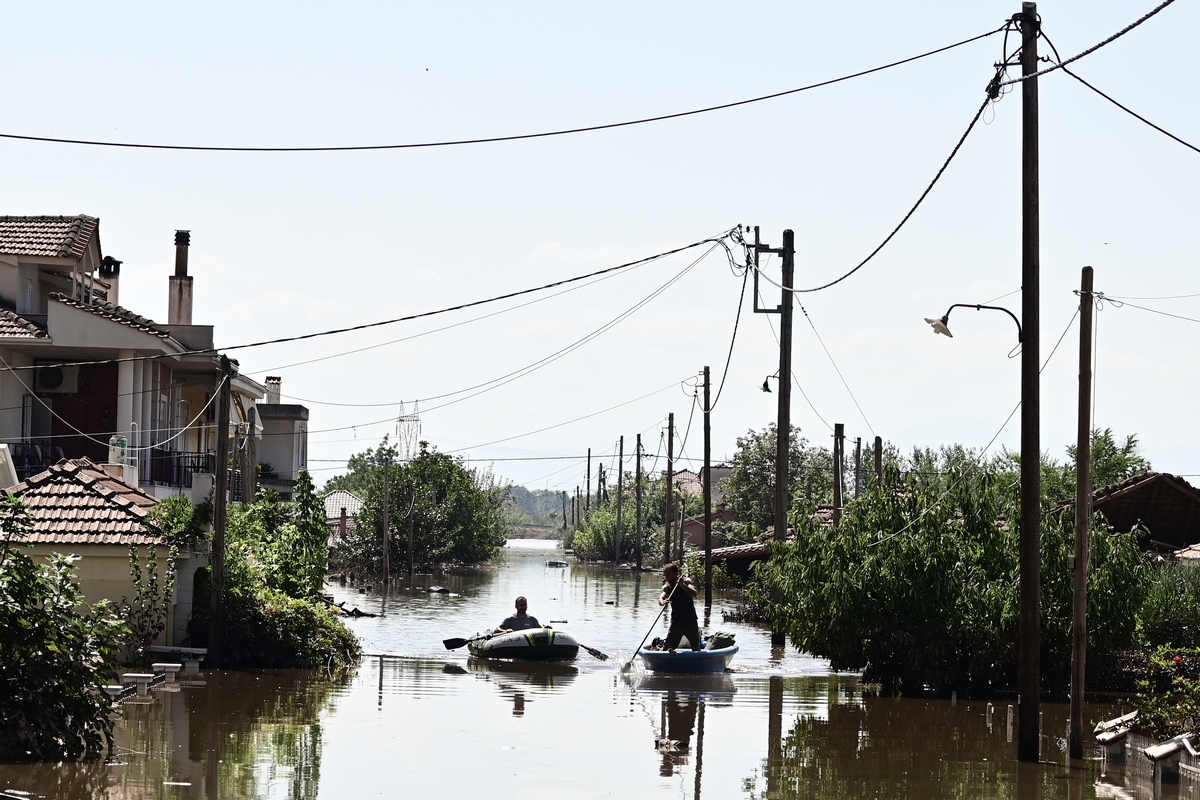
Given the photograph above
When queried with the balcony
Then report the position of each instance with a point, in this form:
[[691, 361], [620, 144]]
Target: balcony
[[176, 467]]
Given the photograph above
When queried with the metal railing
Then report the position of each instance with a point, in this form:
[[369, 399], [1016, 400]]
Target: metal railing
[[176, 467]]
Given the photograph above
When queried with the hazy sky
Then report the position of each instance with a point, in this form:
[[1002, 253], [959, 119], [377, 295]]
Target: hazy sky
[[284, 244]]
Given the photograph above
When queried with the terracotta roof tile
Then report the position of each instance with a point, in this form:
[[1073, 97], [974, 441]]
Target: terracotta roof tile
[[338, 499], [77, 502], [18, 327], [57, 237]]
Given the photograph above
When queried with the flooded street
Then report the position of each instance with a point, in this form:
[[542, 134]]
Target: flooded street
[[418, 721]]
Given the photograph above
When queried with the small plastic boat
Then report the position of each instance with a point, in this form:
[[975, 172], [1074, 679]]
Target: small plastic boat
[[534, 644], [688, 661]]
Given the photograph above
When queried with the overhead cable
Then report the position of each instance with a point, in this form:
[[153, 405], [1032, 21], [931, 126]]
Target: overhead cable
[[1132, 113], [1091, 49], [494, 139]]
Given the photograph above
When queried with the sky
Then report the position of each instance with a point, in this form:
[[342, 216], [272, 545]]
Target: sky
[[285, 244]]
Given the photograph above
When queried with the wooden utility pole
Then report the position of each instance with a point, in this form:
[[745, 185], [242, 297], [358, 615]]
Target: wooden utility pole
[[216, 607], [1029, 680], [783, 425], [587, 508], [412, 563], [878, 461], [857, 466], [620, 495], [839, 439], [387, 533], [1083, 516], [707, 495], [600, 478], [638, 494], [249, 460], [670, 508], [564, 499]]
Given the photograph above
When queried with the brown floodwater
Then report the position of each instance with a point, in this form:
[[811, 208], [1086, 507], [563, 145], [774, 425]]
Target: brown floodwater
[[421, 721]]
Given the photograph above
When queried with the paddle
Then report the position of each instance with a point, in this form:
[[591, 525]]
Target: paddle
[[454, 644], [595, 652], [629, 663]]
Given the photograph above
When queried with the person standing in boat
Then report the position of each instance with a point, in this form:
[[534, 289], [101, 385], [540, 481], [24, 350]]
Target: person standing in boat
[[521, 620], [679, 592]]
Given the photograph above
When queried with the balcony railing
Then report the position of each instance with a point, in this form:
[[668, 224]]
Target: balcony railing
[[176, 467], [34, 455]]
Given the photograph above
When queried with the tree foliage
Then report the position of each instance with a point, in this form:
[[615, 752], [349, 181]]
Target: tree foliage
[[276, 557], [597, 539], [918, 584], [458, 515], [56, 654]]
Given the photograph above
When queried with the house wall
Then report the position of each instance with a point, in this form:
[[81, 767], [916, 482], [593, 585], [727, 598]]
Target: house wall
[[11, 394], [103, 573], [282, 446]]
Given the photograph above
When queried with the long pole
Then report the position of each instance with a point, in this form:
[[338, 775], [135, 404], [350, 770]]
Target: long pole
[[783, 426], [707, 494], [839, 481], [670, 508], [620, 496], [857, 466], [638, 494], [412, 513], [1083, 516], [587, 505], [387, 528], [216, 608], [878, 461], [564, 501], [1029, 682]]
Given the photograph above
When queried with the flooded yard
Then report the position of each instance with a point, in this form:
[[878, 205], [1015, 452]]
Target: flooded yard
[[416, 720]]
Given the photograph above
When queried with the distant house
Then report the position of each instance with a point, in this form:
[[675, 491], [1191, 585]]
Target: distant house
[[693, 527], [79, 509], [284, 448], [1167, 506], [341, 512]]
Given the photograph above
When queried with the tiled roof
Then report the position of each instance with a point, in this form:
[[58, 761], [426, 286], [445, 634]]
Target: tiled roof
[[57, 237], [77, 502], [18, 327], [338, 499], [1166, 505], [116, 313]]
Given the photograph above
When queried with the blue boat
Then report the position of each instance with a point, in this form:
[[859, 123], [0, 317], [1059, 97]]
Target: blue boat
[[688, 661]]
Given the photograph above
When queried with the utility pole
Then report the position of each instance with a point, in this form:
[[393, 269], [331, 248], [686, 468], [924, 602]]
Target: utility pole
[[599, 484], [216, 607], [412, 513], [707, 495], [249, 460], [620, 496], [670, 509], [587, 508], [387, 533], [1083, 516], [638, 493], [564, 499], [857, 466], [839, 437], [878, 462], [783, 426], [1029, 681]]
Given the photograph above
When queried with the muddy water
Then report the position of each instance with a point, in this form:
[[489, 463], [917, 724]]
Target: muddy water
[[421, 721]]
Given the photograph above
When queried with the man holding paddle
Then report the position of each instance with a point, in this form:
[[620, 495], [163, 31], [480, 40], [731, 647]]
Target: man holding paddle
[[679, 592]]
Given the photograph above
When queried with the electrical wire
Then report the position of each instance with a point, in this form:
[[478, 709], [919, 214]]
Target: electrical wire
[[1131, 112], [796, 380], [1124, 303], [1166, 297], [1090, 50], [494, 139], [736, 321]]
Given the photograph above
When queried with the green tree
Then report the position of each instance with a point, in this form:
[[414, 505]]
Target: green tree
[[597, 539], [750, 489], [56, 654]]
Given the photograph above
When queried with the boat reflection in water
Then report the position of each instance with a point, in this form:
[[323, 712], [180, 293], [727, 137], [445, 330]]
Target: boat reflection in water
[[515, 678], [683, 700]]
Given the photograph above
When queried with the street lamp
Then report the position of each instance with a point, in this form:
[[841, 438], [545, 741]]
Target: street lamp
[[766, 387], [942, 324]]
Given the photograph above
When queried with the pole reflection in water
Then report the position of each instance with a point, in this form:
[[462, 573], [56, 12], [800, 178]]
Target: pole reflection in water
[[675, 739], [774, 733]]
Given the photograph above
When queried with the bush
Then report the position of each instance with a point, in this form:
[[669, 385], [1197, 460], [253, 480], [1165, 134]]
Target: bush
[[56, 656], [1171, 613], [1168, 698]]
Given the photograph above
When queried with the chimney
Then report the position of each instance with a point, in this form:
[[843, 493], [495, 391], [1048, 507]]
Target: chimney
[[110, 273], [343, 529], [274, 383], [179, 304]]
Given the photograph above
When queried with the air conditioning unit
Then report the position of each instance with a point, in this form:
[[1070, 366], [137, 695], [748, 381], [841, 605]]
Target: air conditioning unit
[[56, 379]]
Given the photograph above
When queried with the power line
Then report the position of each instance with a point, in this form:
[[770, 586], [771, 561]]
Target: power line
[[834, 363], [1165, 297], [736, 320], [1090, 50], [1131, 112], [494, 139], [795, 379]]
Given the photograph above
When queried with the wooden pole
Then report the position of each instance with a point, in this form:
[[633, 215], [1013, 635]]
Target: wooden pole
[[620, 495], [638, 494], [878, 461], [1083, 516], [216, 606], [783, 425], [857, 466], [412, 513], [587, 506], [1029, 682], [707, 495], [387, 533], [564, 502], [839, 438], [670, 507]]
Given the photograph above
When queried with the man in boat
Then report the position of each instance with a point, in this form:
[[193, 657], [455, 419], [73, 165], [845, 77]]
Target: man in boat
[[679, 592], [521, 620]]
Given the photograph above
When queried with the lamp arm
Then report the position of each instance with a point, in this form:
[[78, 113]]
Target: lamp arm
[[977, 307]]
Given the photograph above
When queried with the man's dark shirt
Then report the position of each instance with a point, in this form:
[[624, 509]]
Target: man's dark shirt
[[526, 622], [682, 607]]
